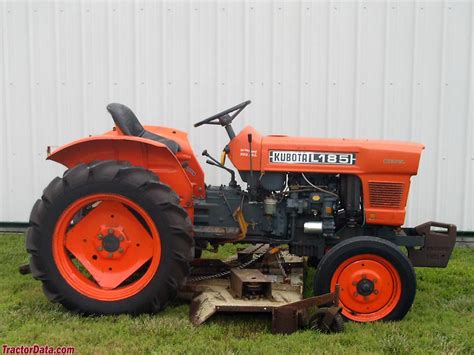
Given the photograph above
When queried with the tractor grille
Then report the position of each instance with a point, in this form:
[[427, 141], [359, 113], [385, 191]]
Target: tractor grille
[[386, 194]]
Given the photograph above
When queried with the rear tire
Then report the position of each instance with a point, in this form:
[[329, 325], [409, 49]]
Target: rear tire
[[145, 204], [377, 281]]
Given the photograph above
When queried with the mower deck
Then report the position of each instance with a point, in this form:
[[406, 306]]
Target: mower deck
[[257, 280]]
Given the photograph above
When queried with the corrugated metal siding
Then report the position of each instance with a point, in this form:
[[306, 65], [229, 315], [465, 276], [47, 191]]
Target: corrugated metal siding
[[398, 70]]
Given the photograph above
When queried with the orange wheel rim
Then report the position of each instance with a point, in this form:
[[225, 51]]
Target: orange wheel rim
[[370, 287], [106, 247]]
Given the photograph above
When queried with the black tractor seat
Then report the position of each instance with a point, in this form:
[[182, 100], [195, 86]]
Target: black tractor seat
[[128, 123]]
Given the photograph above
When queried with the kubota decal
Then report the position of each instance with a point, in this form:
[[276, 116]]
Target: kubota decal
[[302, 157]]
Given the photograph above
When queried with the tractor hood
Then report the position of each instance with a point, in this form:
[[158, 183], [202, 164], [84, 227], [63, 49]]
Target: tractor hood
[[323, 155]]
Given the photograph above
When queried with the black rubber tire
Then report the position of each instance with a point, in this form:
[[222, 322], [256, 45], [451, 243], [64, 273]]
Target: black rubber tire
[[337, 325], [142, 187], [369, 245]]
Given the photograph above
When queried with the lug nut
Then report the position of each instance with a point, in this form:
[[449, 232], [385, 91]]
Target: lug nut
[[100, 236], [100, 248], [111, 231], [111, 255], [356, 294], [121, 250], [376, 292], [121, 239], [354, 283]]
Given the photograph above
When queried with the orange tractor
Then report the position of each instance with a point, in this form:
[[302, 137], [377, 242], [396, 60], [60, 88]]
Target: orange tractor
[[117, 233]]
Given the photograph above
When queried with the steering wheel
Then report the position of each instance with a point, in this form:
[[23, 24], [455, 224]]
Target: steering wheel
[[224, 118]]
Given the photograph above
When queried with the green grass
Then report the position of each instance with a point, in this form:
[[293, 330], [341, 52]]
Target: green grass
[[441, 320]]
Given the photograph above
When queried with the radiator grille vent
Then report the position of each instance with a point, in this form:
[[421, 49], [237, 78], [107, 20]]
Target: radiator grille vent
[[386, 194]]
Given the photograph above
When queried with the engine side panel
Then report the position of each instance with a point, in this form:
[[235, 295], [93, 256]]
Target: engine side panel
[[371, 157], [384, 167]]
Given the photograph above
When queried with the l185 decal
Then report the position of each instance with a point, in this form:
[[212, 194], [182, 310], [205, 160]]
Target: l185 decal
[[301, 157]]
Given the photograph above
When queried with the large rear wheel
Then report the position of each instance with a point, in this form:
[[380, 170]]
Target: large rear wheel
[[377, 281], [109, 238]]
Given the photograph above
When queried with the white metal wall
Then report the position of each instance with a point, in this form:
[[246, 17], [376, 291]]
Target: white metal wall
[[397, 70]]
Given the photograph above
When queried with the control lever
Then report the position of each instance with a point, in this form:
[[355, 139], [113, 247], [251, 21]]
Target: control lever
[[206, 154], [215, 162], [251, 184]]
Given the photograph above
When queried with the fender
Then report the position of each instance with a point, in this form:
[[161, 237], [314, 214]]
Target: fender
[[145, 153]]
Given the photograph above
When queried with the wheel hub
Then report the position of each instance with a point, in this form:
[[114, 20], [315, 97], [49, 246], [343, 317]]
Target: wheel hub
[[111, 242], [365, 287]]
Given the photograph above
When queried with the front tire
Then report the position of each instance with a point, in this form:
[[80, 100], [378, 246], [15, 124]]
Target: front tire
[[109, 238], [377, 281]]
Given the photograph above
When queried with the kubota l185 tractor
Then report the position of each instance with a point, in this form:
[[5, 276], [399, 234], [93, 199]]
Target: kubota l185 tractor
[[117, 232]]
